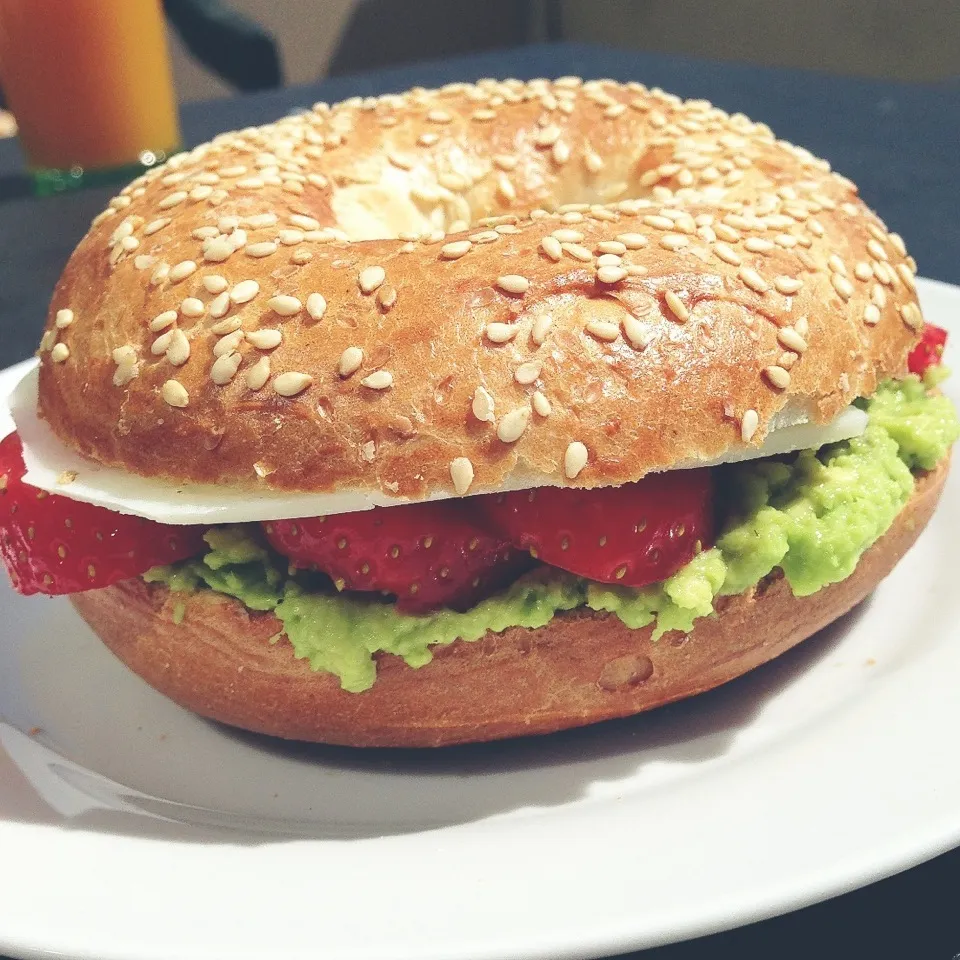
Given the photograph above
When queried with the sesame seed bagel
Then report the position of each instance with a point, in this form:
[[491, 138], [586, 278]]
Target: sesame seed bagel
[[581, 668], [456, 290]]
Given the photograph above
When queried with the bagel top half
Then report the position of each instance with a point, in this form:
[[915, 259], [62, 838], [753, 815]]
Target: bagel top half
[[450, 290]]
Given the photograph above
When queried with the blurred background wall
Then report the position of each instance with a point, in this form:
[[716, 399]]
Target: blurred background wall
[[900, 39]]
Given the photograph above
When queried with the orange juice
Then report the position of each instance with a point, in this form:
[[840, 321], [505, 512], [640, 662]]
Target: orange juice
[[88, 81]]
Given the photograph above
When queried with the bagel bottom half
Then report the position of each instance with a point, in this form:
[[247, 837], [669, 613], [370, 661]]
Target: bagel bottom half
[[581, 668]]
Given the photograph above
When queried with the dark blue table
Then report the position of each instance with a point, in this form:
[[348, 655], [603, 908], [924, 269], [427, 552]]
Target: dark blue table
[[899, 142]]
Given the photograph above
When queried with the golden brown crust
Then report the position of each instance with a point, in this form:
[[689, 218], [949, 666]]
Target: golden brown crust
[[581, 668], [760, 243]]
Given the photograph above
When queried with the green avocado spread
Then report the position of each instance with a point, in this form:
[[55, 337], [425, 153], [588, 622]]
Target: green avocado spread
[[811, 514]]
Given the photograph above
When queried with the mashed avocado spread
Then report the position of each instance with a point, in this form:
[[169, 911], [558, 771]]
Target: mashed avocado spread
[[812, 514]]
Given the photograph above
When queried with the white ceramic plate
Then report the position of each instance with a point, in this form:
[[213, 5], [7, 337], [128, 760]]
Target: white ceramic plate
[[131, 830]]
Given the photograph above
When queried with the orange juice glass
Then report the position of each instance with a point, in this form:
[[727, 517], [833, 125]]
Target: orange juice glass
[[90, 85]]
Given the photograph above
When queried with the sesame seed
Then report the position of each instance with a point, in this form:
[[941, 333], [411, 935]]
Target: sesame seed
[[786, 240], [727, 254], [144, 261], [726, 233], [883, 273], [174, 394], [787, 285], [552, 248], [777, 376], [909, 313], [609, 260], [871, 314], [878, 296], [258, 374], [603, 330], [512, 425], [541, 404], [836, 264], [244, 291], [250, 183], [214, 283], [512, 283], [262, 220], [547, 136], [483, 406], [792, 340], [154, 225], [178, 353], [637, 333], [611, 274], [801, 326], [593, 162], [370, 278], [265, 339], [59, 353], [290, 384], [616, 247], [758, 245], [816, 227], [301, 256], [574, 459], [748, 425], [258, 250], [673, 241], [896, 241], [228, 343], [181, 271], [577, 251], [876, 250], [219, 307], [461, 473], [159, 346], [676, 306], [304, 222], [64, 319], [316, 306], [455, 250], [753, 279], [842, 285], [863, 271], [497, 332], [378, 380], [527, 372], [632, 241], [172, 199], [225, 368], [568, 236], [217, 249], [350, 361], [658, 222], [284, 305], [192, 307], [540, 329], [129, 244], [906, 276], [290, 238], [386, 298], [485, 236]]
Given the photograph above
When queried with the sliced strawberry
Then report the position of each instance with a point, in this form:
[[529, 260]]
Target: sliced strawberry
[[929, 351], [51, 544], [427, 554], [634, 535]]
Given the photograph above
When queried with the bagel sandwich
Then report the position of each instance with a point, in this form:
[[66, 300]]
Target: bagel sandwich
[[465, 414]]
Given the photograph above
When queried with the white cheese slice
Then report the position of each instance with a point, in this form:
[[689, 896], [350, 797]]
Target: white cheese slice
[[49, 462]]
